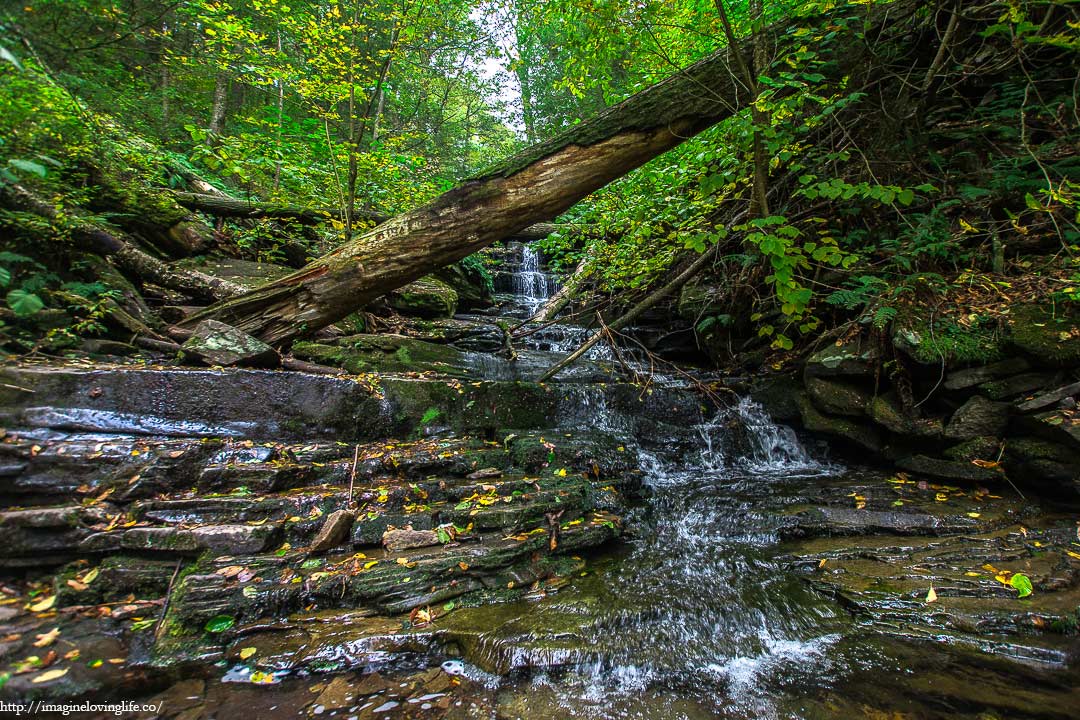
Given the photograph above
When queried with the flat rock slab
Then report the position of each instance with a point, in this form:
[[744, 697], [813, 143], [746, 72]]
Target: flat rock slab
[[222, 539], [215, 343], [192, 403]]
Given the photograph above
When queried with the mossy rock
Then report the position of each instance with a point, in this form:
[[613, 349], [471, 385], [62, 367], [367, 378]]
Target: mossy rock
[[947, 469], [386, 354], [886, 411], [945, 340], [859, 433], [850, 358], [978, 417], [427, 297], [472, 283], [698, 300], [985, 447], [837, 398], [1052, 468], [1050, 334]]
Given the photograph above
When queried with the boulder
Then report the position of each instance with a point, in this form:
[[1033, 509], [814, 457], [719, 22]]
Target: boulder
[[859, 433], [777, 394], [1010, 387], [837, 397], [427, 297], [698, 300], [1048, 335], [849, 358], [472, 283], [215, 343], [886, 411], [398, 539], [947, 469], [387, 353], [461, 333], [1049, 398], [219, 539], [1052, 467], [978, 448], [977, 417], [334, 531], [970, 377]]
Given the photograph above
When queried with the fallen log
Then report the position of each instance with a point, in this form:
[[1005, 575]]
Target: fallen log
[[121, 250], [225, 206], [535, 185], [230, 207]]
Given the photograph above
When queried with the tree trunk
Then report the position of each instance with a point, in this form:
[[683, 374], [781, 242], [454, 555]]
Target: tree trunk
[[537, 184], [217, 110], [230, 207]]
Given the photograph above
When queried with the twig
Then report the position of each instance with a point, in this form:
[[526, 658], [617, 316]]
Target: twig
[[168, 596], [352, 475]]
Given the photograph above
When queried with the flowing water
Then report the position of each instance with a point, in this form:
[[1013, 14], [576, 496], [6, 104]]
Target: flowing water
[[700, 612]]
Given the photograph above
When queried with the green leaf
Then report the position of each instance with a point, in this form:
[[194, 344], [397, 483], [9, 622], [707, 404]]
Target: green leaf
[[1022, 583], [24, 303], [449, 606], [219, 623], [5, 277], [28, 166], [7, 55]]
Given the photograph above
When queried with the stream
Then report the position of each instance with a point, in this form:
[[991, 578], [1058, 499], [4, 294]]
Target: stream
[[702, 612], [727, 597]]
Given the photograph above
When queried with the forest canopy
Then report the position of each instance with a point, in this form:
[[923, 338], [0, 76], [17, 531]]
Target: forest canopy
[[953, 154]]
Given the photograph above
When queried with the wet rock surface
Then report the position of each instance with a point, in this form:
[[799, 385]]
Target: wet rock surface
[[432, 535]]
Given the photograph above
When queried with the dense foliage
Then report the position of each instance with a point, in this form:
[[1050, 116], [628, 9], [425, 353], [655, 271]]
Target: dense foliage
[[950, 166]]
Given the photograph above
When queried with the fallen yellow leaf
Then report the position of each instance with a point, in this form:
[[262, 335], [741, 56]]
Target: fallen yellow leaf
[[50, 675], [46, 639], [43, 605]]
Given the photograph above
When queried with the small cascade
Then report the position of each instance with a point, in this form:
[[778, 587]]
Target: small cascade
[[531, 283]]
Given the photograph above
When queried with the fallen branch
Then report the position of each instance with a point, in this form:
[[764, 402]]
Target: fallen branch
[[635, 312]]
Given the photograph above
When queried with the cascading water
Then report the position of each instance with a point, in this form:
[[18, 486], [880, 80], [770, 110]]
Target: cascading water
[[531, 283], [696, 604]]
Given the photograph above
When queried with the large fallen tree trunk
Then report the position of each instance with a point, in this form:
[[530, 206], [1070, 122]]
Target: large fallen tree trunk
[[535, 185]]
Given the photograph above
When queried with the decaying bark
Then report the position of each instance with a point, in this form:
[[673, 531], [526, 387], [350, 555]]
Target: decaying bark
[[535, 185]]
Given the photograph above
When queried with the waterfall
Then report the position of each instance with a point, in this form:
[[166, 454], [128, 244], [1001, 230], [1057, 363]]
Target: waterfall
[[531, 282]]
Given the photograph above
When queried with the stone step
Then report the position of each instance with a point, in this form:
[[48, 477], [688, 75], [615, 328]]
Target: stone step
[[291, 406], [251, 589]]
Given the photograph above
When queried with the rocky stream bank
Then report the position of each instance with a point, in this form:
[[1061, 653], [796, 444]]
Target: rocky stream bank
[[431, 533]]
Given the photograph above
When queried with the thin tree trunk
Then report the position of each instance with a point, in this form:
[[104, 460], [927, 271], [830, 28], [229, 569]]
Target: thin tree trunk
[[218, 109], [537, 184], [280, 122]]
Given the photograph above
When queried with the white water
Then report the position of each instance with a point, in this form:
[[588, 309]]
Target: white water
[[532, 284]]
